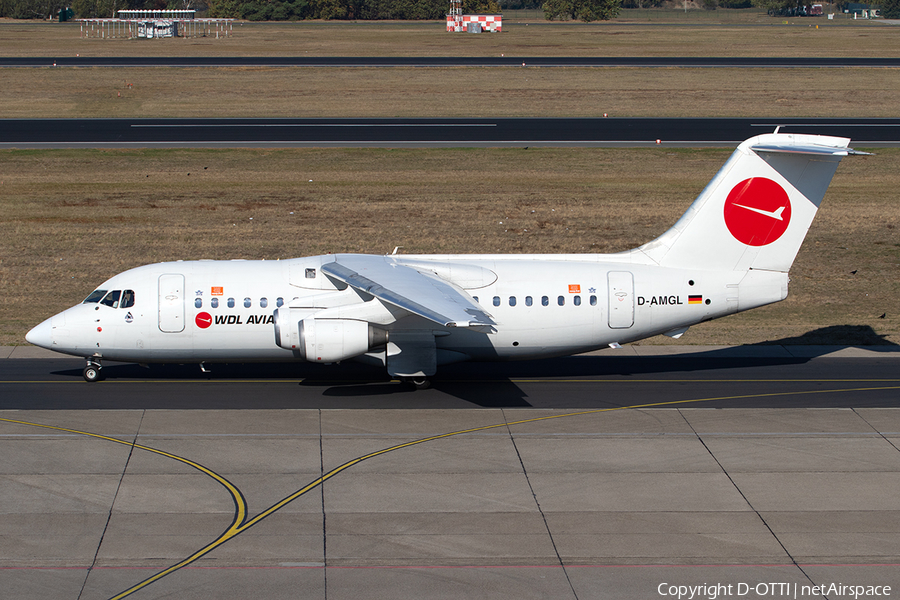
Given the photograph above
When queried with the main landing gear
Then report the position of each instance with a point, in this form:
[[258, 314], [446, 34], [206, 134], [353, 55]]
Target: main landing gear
[[93, 371], [420, 383]]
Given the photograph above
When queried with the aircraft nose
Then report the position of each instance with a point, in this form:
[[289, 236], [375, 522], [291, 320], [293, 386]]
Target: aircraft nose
[[41, 335]]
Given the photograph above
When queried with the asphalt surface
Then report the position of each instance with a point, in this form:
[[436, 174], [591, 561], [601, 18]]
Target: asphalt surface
[[517, 504], [739, 377], [778, 62], [284, 483], [613, 132]]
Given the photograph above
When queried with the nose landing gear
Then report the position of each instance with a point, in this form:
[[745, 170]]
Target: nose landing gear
[[93, 371]]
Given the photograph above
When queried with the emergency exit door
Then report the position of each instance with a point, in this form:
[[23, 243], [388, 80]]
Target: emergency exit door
[[621, 299], [171, 303]]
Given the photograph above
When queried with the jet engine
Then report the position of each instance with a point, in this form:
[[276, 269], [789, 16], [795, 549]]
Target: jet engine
[[326, 340]]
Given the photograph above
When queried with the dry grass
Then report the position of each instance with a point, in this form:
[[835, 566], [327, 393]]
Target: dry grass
[[761, 36], [73, 218], [456, 92]]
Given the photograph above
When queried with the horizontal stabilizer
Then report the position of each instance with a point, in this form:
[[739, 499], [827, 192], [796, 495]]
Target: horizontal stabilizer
[[815, 149]]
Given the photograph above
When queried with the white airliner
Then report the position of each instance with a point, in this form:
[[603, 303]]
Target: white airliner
[[731, 251]]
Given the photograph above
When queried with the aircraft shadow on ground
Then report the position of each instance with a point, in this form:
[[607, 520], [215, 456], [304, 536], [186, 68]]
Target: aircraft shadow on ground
[[837, 335], [494, 384]]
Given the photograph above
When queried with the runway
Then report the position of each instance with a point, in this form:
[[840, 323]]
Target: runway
[[191, 487], [388, 133], [769, 376]]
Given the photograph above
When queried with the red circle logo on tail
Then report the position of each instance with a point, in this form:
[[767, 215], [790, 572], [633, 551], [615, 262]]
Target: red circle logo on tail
[[203, 320], [757, 211]]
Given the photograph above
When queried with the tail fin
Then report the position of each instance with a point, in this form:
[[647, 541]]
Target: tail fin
[[756, 211]]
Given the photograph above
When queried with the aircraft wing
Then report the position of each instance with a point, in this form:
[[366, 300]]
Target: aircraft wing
[[421, 293]]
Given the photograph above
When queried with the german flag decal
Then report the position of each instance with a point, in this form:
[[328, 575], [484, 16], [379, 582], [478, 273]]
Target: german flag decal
[[695, 299]]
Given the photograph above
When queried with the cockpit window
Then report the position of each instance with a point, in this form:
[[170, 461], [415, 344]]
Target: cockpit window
[[112, 299], [127, 299], [95, 297]]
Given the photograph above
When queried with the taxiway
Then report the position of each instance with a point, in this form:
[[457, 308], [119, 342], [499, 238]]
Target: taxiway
[[758, 465], [428, 132]]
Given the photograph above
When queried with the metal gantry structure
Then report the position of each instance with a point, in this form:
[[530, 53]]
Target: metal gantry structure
[[458, 22], [156, 14], [154, 24]]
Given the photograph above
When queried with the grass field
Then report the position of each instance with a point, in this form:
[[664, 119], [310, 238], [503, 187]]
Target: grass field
[[475, 92], [73, 218], [754, 35], [458, 92]]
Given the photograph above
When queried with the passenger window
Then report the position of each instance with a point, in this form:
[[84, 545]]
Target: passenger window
[[593, 300], [112, 299], [496, 300], [95, 297], [545, 301], [475, 298], [279, 302], [576, 300], [198, 302], [127, 299], [248, 302], [561, 300], [214, 303], [231, 303], [263, 302], [528, 301], [512, 300], [310, 273]]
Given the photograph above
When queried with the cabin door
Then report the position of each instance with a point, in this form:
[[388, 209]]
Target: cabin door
[[171, 303], [621, 299]]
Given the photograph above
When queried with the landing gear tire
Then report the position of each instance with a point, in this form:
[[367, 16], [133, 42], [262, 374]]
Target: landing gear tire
[[421, 383], [93, 373]]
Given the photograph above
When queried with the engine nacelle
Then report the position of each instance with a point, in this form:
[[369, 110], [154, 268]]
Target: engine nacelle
[[326, 340]]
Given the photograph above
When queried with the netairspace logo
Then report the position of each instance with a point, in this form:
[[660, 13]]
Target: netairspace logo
[[713, 591]]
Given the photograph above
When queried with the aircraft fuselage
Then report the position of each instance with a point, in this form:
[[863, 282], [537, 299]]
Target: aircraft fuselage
[[220, 311]]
